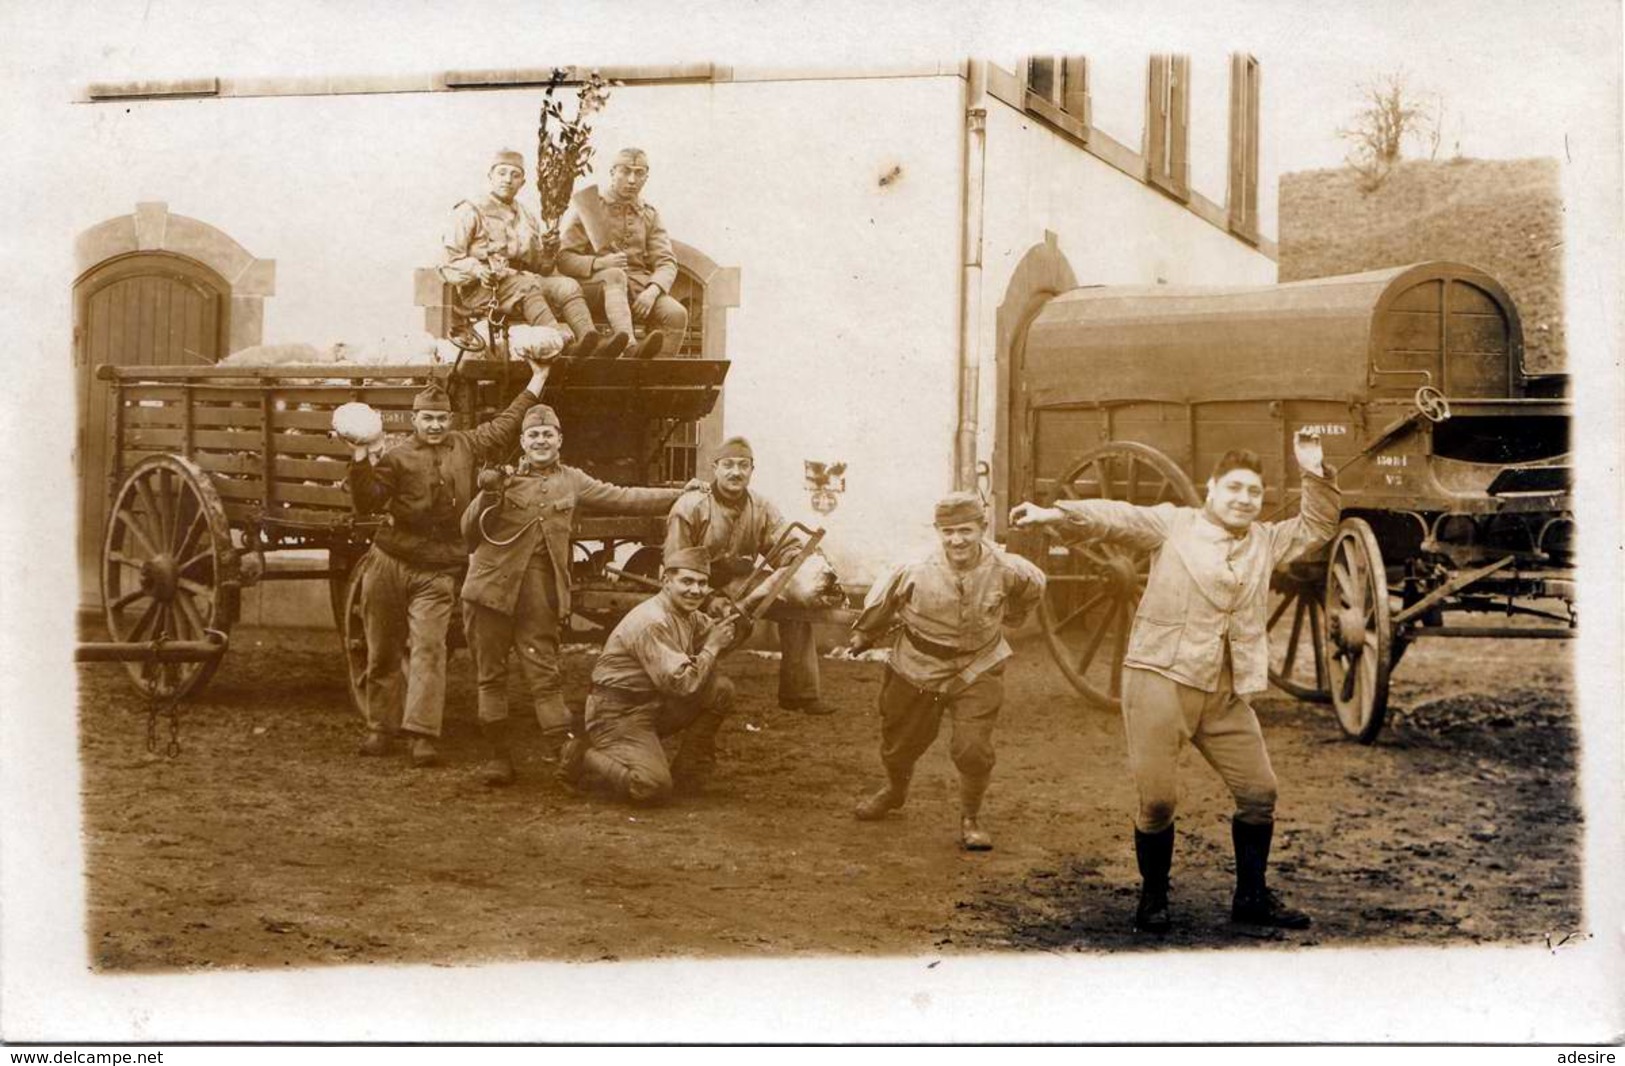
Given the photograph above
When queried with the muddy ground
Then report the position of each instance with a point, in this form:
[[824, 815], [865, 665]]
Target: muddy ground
[[267, 843]]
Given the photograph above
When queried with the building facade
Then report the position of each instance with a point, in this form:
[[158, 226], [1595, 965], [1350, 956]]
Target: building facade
[[865, 246]]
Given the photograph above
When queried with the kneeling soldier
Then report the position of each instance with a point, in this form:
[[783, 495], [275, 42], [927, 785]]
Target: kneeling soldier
[[657, 677], [518, 588], [951, 608]]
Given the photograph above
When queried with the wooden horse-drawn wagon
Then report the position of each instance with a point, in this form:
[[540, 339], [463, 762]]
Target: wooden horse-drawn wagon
[[1453, 461], [216, 469]]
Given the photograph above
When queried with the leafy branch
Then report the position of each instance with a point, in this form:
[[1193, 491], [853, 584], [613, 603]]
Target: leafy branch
[[563, 144]]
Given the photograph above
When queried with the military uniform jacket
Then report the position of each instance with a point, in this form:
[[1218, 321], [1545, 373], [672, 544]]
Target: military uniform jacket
[[953, 620], [733, 535], [537, 513], [630, 226], [1208, 589], [484, 227], [423, 488], [656, 650]]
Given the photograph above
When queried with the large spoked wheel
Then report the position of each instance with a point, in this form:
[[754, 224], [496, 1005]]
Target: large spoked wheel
[[168, 569], [1094, 588], [1358, 633], [354, 632], [1297, 632]]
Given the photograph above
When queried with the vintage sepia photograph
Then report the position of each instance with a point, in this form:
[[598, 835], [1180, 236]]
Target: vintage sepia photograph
[[813, 522]]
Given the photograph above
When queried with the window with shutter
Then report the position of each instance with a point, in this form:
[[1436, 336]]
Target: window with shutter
[[1057, 91], [1168, 124], [1242, 195]]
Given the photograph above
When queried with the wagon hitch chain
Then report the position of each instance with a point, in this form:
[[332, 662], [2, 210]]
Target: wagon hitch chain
[[160, 706]]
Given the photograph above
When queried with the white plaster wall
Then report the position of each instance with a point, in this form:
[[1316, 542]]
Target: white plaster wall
[[1210, 123], [845, 339], [1117, 95], [1111, 228]]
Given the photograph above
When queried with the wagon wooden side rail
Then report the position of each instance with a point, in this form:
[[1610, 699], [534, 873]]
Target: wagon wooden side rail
[[214, 468]]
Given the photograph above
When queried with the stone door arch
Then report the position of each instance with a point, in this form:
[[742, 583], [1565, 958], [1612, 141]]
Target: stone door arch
[[1042, 273], [153, 289]]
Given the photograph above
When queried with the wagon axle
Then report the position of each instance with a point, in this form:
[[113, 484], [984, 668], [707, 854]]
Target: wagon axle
[[159, 578], [1348, 631]]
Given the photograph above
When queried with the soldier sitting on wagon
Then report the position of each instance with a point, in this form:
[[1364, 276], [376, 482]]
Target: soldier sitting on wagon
[[616, 241], [517, 594], [496, 250], [423, 485]]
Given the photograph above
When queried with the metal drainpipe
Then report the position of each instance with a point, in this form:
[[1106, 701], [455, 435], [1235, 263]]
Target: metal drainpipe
[[970, 297]]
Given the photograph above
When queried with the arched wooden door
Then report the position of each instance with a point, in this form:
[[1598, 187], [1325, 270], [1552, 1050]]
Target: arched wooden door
[[143, 309], [1449, 333]]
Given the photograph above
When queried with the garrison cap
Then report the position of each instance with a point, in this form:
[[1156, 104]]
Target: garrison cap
[[508, 156], [736, 448], [696, 559], [632, 157], [957, 508], [540, 415], [432, 398]]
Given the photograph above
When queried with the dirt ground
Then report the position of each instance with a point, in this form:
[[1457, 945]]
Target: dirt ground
[[266, 842]]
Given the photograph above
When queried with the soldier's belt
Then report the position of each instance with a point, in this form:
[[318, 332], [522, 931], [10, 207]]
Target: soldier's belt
[[935, 650], [612, 692]]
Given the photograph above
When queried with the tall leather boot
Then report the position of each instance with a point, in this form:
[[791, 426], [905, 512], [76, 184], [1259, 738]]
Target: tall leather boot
[[498, 769], [877, 805], [697, 755], [1254, 902], [972, 837], [1154, 853]]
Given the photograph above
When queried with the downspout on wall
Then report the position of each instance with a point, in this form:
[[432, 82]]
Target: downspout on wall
[[970, 283]]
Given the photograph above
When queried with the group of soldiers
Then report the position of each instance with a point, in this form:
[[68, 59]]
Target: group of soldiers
[[496, 252], [1197, 649]]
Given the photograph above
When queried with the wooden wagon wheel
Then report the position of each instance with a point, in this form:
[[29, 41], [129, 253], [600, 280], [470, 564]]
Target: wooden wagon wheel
[[1358, 632], [1297, 635], [168, 568], [1094, 588], [353, 630]]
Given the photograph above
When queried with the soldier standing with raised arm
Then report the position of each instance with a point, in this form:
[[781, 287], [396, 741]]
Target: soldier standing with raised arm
[[1198, 648], [517, 594], [422, 485]]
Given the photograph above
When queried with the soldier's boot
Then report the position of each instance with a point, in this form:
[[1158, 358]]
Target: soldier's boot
[[697, 757], [614, 346], [555, 720], [877, 805], [1154, 853], [649, 347], [423, 752], [571, 771], [1254, 902], [584, 345], [972, 837], [498, 769], [375, 744], [621, 779], [553, 741]]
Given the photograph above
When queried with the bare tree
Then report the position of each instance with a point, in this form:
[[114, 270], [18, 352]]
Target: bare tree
[[1392, 113]]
